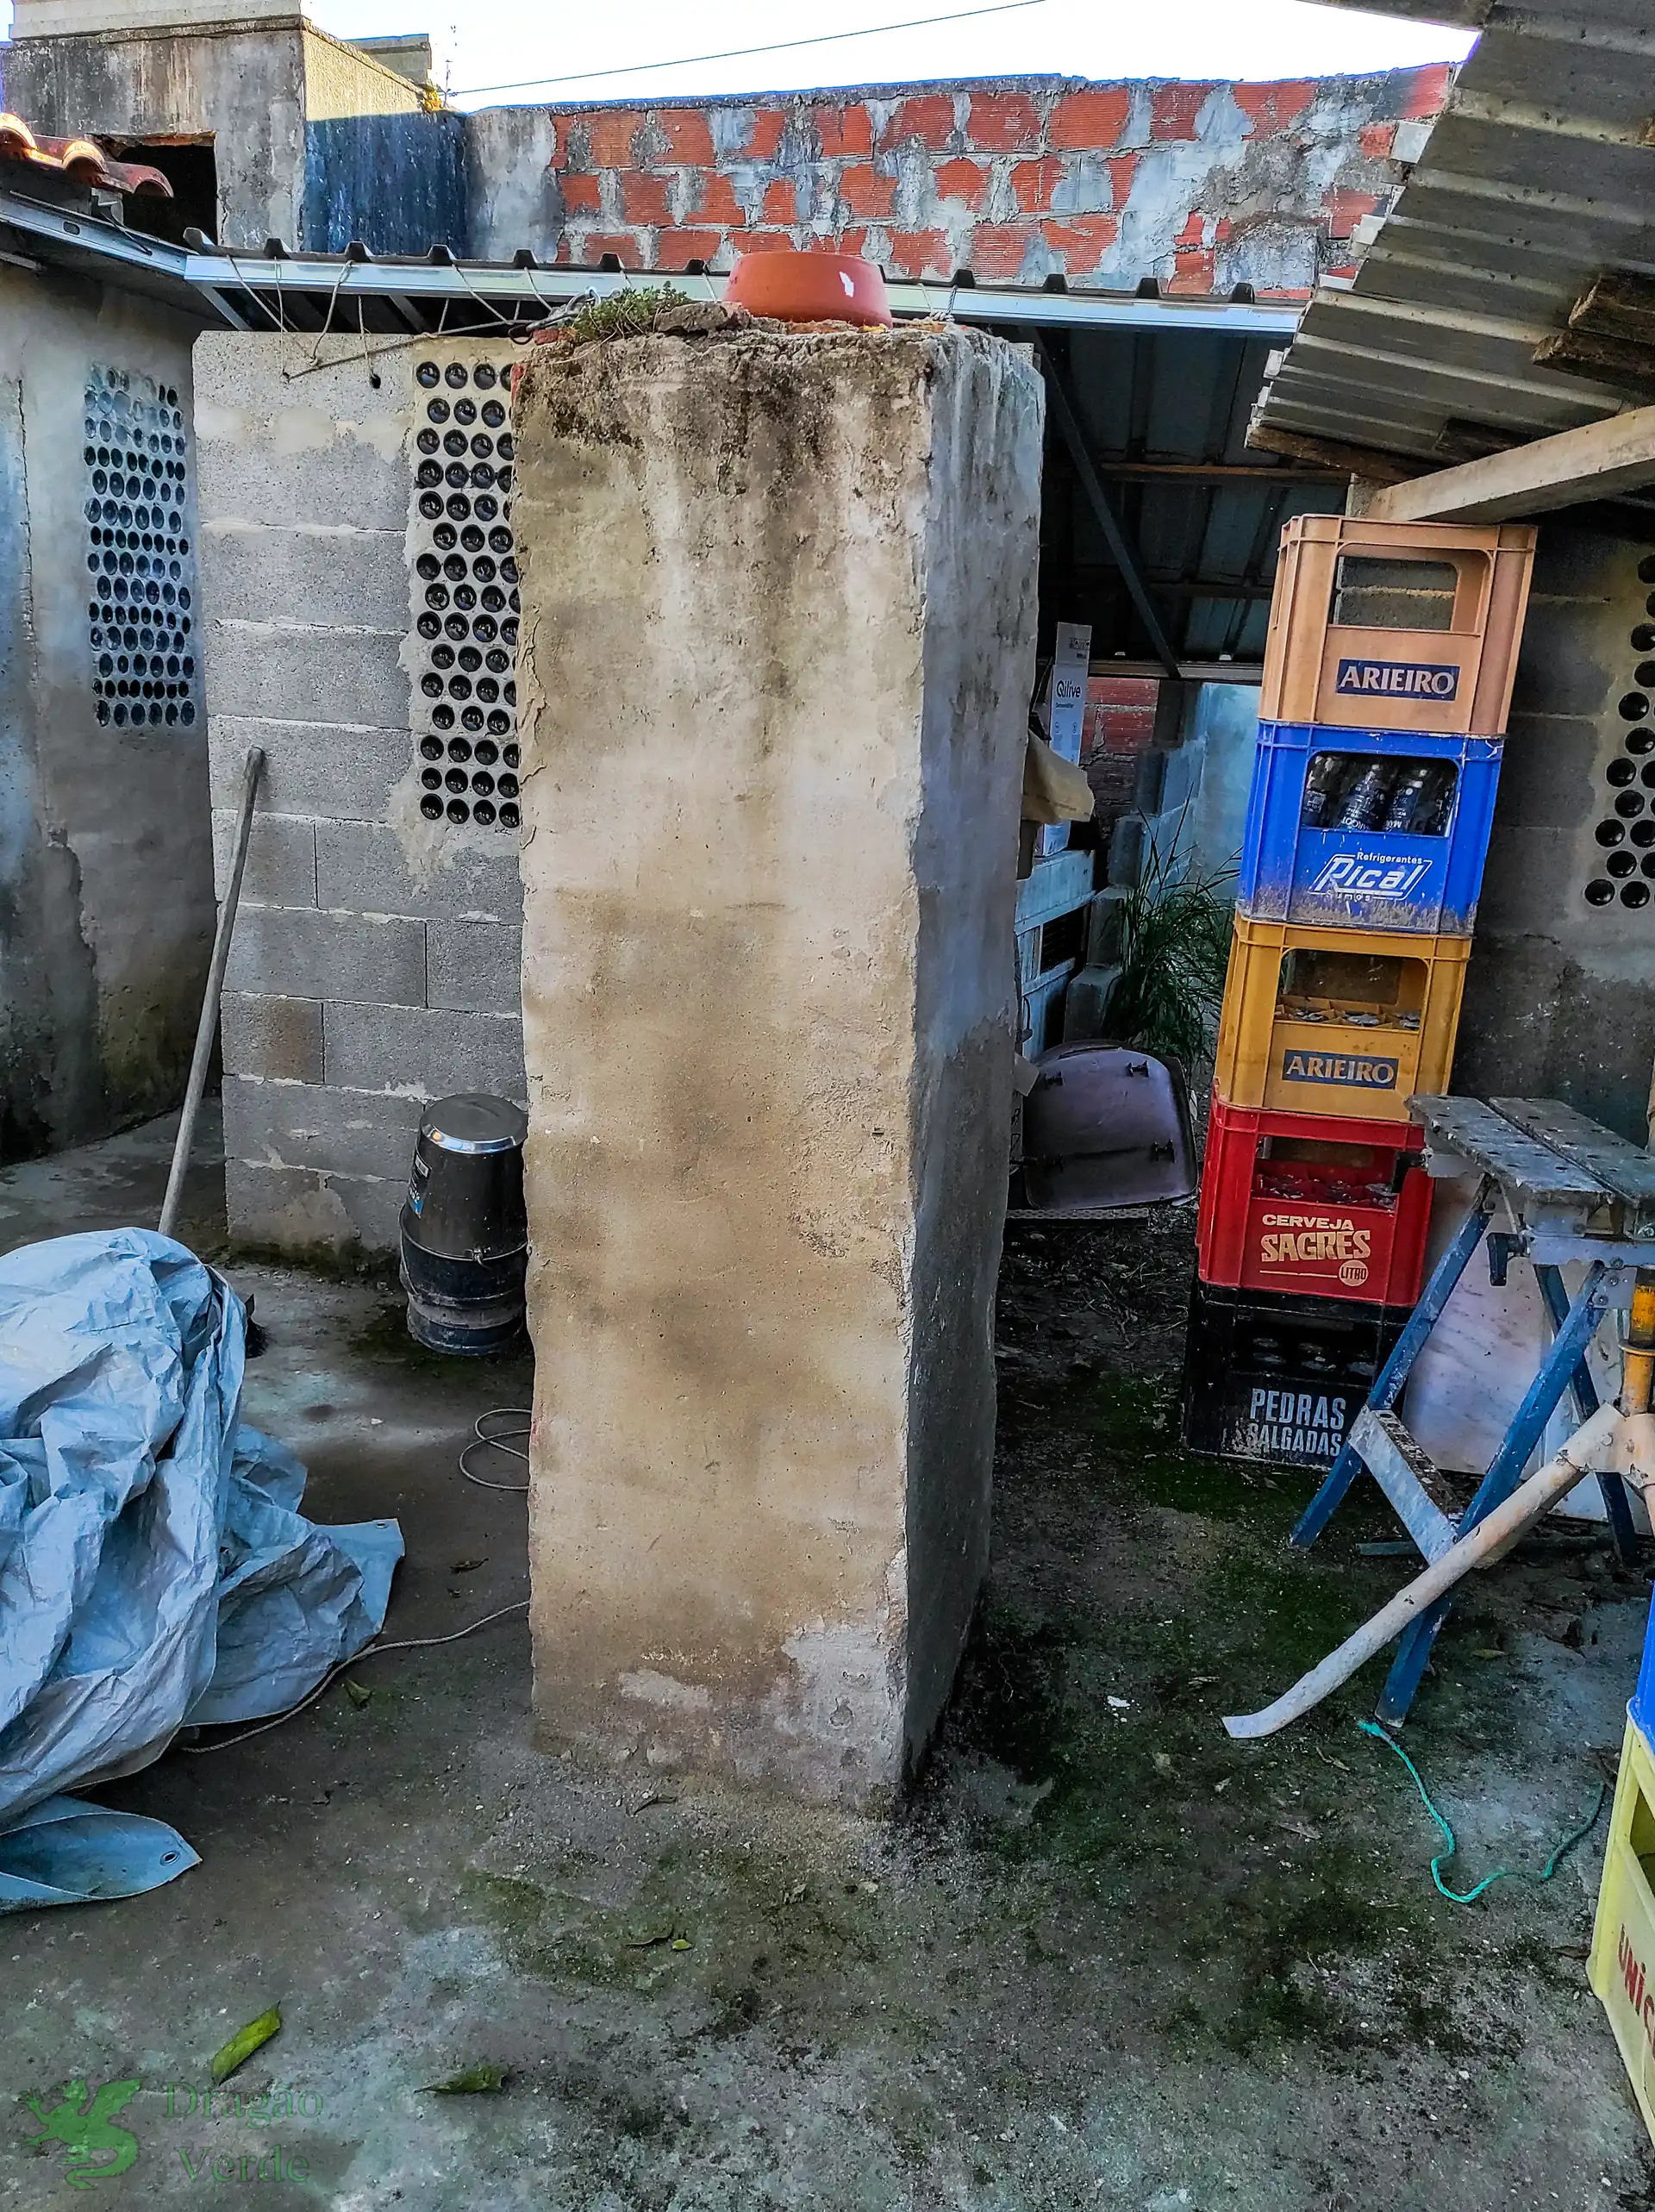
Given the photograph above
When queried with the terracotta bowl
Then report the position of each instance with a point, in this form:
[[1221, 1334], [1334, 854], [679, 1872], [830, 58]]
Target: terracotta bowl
[[809, 288]]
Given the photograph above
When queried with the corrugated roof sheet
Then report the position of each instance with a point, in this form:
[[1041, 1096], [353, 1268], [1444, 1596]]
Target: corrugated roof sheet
[[1538, 176], [1164, 413], [1162, 387]]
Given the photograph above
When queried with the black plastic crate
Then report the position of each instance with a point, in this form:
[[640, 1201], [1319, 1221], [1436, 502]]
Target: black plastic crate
[[1280, 1379]]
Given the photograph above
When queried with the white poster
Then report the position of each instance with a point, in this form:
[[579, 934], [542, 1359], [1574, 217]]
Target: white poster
[[1066, 711]]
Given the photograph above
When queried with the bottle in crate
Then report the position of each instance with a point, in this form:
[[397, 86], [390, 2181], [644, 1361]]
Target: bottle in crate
[[1280, 1379]]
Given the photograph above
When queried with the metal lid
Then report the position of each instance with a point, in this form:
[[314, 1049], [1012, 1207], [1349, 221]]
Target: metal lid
[[475, 1123]]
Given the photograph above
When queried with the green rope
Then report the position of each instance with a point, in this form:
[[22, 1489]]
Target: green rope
[[1503, 1873]]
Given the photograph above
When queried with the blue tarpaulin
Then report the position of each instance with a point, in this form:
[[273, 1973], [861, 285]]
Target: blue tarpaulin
[[155, 1572]]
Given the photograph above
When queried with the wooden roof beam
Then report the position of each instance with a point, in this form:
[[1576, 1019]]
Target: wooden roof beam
[[1595, 462]]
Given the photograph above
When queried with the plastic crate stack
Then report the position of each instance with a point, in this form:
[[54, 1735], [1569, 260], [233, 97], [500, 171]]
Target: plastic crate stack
[[1367, 827]]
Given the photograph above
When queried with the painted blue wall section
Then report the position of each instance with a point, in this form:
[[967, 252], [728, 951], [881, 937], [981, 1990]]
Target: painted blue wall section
[[397, 182]]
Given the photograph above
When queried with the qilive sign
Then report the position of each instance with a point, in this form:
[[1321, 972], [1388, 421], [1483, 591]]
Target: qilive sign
[[1306, 1251], [1397, 679]]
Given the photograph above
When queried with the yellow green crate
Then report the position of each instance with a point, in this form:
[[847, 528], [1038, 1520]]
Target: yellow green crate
[[1622, 1966]]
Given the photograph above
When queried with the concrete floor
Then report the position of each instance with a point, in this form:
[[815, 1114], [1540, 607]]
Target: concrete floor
[[1107, 1958]]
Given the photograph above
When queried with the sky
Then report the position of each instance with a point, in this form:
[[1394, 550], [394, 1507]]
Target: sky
[[496, 42]]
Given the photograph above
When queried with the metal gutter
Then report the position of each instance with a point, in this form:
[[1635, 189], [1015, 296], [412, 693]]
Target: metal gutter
[[221, 277]]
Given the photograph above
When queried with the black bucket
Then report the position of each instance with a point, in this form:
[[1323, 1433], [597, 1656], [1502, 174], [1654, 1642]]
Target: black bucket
[[465, 1232]]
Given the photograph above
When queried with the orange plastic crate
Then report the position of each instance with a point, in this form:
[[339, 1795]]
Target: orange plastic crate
[[1363, 676]]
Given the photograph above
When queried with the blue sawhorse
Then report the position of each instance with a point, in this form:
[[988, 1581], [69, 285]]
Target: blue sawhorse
[[1379, 1442]]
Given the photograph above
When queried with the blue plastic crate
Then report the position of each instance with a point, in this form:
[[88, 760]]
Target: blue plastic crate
[[1424, 881]]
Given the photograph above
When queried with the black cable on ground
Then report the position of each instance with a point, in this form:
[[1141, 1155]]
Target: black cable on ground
[[508, 1442]]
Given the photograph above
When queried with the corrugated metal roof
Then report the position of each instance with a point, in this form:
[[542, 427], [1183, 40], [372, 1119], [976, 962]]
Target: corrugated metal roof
[[1165, 417], [1161, 386], [1538, 176]]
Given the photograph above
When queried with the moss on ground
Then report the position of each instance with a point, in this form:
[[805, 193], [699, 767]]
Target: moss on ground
[[1086, 1835]]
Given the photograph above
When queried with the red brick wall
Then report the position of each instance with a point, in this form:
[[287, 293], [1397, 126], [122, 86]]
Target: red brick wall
[[1120, 725], [1120, 714], [1201, 185]]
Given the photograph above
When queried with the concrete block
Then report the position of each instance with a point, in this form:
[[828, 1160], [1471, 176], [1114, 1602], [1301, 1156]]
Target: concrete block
[[474, 967], [281, 868], [1566, 667], [1149, 782], [331, 449], [1576, 656], [367, 868], [1553, 771], [1176, 708], [1533, 883], [342, 481], [1105, 925], [310, 1125], [427, 1051], [768, 993], [373, 1207], [277, 1038], [315, 675], [1180, 779], [1086, 1002], [298, 1210], [300, 953], [338, 772], [1125, 854], [343, 394], [328, 574]]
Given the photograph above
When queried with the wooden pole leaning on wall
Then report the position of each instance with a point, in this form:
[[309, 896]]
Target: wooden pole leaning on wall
[[207, 1028]]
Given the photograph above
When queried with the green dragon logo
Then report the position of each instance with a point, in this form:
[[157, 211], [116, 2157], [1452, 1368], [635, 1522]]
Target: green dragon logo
[[84, 2134]]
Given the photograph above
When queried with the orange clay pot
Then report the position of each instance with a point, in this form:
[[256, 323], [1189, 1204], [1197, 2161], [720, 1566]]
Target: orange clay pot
[[809, 288]]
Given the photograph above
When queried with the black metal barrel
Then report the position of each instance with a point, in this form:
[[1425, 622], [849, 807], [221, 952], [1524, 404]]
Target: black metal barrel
[[465, 1232]]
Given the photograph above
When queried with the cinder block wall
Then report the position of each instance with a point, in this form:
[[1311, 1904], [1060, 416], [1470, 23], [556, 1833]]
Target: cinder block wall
[[375, 962], [106, 912], [1560, 993]]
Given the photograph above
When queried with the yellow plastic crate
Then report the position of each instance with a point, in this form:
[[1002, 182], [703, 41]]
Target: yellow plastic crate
[[1623, 1965], [1349, 1021]]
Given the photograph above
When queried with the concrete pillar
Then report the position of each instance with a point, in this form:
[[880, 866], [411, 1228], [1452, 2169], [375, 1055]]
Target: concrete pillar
[[778, 629]]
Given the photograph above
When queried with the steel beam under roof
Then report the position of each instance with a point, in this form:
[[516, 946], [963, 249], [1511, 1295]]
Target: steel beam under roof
[[1536, 178]]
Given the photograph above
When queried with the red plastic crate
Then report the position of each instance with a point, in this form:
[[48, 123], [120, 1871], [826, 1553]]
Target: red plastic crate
[[1313, 1204]]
